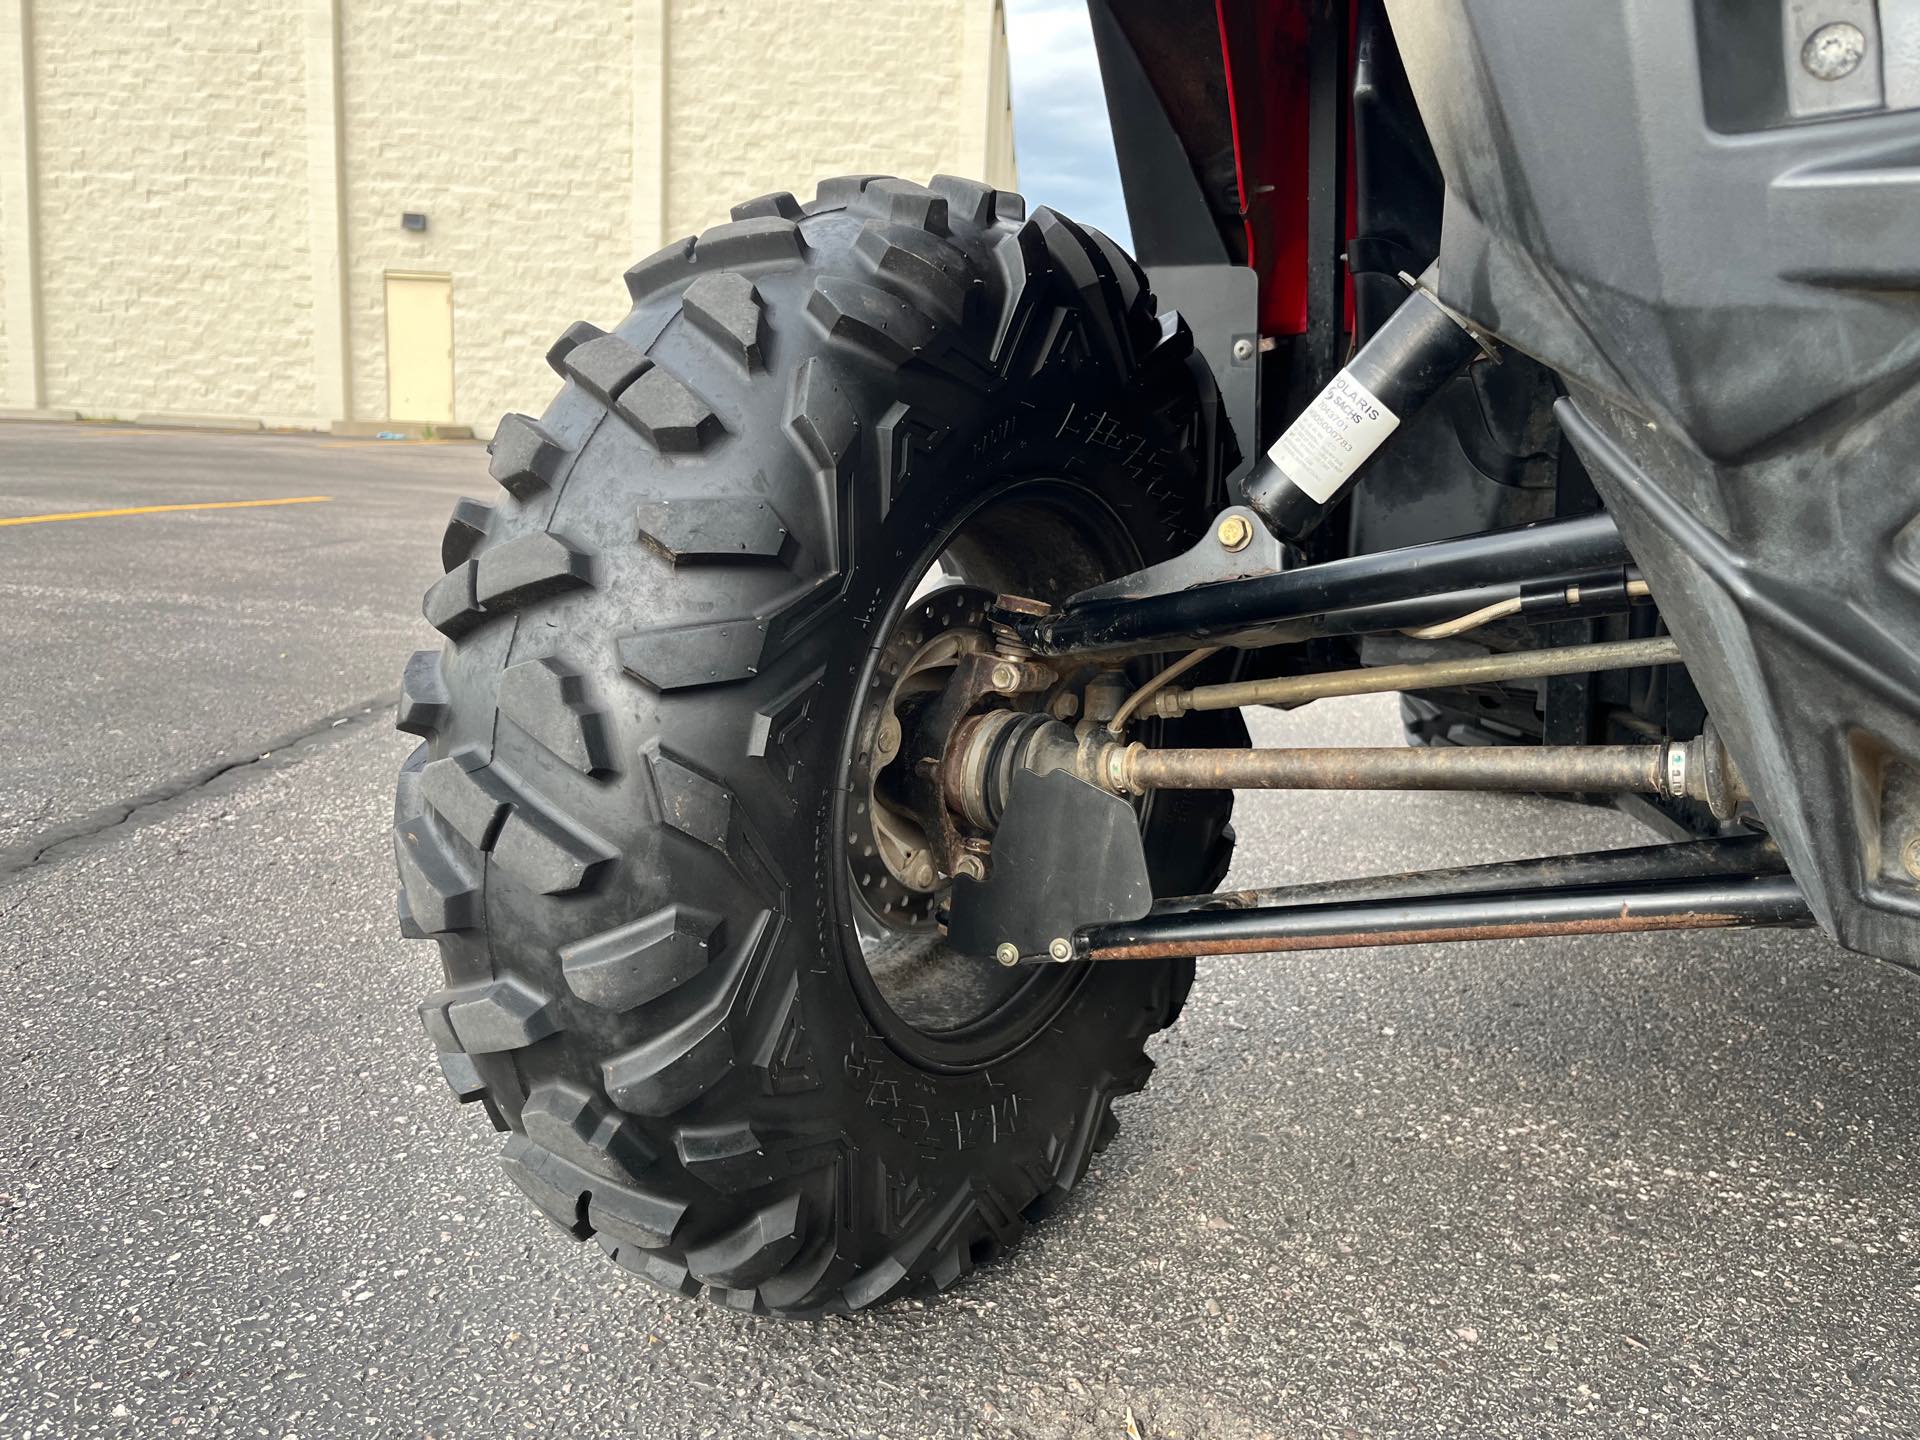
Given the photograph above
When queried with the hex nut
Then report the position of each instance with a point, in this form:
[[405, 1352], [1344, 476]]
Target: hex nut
[[971, 867], [1005, 677]]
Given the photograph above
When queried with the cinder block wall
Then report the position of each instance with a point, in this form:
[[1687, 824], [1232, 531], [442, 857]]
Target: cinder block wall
[[518, 148], [812, 90], [172, 203], [199, 201]]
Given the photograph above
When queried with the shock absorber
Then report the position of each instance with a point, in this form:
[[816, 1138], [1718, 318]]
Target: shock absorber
[[1311, 467]]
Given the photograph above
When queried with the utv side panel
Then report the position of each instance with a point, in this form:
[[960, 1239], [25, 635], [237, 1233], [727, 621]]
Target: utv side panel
[[1742, 345]]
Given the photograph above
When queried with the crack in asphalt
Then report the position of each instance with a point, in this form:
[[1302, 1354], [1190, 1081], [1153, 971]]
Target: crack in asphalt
[[60, 841]]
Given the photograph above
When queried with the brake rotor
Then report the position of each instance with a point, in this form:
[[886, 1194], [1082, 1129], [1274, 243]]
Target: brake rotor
[[895, 867]]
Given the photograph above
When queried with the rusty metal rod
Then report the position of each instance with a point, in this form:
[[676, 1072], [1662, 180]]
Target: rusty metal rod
[[1472, 670], [1696, 769], [1594, 769], [1702, 904]]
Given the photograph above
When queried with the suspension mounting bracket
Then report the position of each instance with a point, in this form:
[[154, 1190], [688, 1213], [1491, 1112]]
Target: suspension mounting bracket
[[1069, 854]]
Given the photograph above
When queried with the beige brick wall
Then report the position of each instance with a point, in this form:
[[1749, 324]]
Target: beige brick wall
[[510, 127], [3, 310], [19, 336], [173, 208], [778, 96], [183, 153]]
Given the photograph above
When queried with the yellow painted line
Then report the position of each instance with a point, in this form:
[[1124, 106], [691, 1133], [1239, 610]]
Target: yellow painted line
[[163, 509]]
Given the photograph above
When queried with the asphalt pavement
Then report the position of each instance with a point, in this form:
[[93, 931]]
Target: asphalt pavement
[[1603, 1186], [141, 649]]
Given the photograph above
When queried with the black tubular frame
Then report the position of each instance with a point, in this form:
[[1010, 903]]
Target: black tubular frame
[[1389, 589], [1714, 884], [1736, 855]]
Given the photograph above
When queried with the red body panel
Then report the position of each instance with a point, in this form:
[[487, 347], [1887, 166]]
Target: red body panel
[[1263, 44]]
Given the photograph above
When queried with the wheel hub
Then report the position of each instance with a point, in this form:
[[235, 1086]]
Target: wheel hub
[[897, 870]]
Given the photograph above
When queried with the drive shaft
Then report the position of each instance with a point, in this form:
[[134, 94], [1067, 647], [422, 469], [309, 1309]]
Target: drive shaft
[[1641, 769], [990, 749]]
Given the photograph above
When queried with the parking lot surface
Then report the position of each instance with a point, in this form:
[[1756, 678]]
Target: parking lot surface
[[1604, 1186], [142, 648]]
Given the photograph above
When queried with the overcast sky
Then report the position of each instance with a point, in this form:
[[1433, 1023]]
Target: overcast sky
[[1060, 117]]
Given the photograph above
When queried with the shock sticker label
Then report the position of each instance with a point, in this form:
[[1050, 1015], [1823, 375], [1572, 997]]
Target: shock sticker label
[[1333, 437]]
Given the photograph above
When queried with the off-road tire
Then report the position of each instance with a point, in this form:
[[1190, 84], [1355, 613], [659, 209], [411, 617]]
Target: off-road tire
[[622, 827]]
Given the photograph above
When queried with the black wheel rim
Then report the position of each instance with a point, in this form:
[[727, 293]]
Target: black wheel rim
[[1044, 538]]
